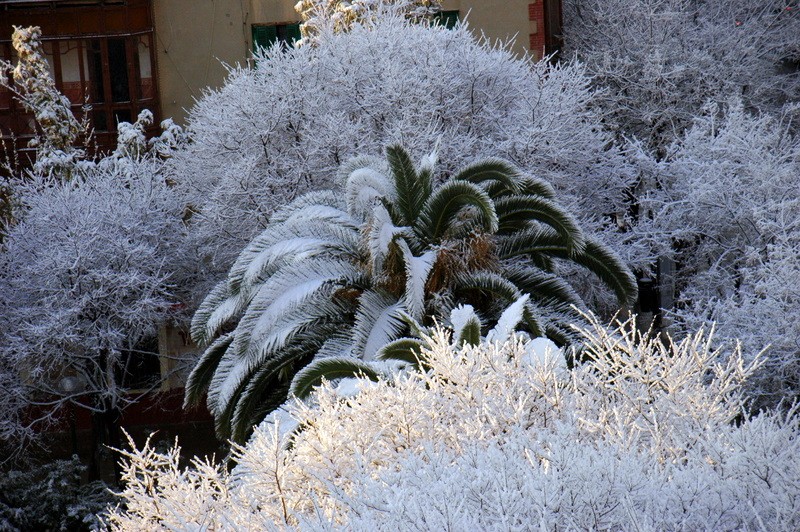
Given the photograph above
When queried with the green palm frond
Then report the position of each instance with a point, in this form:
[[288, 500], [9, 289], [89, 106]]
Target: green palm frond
[[596, 257], [268, 387], [538, 243], [541, 285], [562, 334], [533, 186], [329, 369], [492, 286], [603, 262], [516, 212], [497, 175], [203, 372], [407, 350], [412, 188], [441, 210]]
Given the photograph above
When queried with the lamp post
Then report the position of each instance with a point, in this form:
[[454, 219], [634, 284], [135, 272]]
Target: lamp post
[[71, 384]]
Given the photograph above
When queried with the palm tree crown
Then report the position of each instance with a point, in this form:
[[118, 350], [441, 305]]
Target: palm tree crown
[[342, 274]]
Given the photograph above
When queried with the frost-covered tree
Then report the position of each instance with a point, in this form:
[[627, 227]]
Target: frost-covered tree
[[58, 129], [723, 204], [324, 17], [87, 274], [284, 128], [89, 266], [15, 432], [498, 437], [336, 273], [659, 61]]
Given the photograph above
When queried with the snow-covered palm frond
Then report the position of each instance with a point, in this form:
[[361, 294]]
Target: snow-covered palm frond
[[286, 290], [283, 242], [358, 162], [442, 208], [319, 199], [328, 369], [428, 163], [365, 187], [286, 252], [379, 320], [417, 271], [323, 308], [382, 233], [339, 344], [306, 325], [466, 325], [218, 307], [509, 320]]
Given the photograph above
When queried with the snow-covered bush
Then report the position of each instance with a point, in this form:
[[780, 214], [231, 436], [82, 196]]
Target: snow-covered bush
[[284, 128], [492, 438], [51, 496], [89, 265], [659, 61], [725, 205], [87, 273], [337, 274]]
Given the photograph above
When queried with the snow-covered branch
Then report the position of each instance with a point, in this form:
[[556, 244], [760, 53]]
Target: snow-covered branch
[[640, 436]]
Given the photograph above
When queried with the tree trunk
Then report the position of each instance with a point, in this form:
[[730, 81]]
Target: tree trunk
[[105, 435]]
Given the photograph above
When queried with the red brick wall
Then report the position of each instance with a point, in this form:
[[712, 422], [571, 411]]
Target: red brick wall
[[537, 35]]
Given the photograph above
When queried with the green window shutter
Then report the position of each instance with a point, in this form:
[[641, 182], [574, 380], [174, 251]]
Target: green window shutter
[[264, 37], [448, 19], [293, 33]]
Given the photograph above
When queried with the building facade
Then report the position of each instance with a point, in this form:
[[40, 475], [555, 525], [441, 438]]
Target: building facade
[[122, 56]]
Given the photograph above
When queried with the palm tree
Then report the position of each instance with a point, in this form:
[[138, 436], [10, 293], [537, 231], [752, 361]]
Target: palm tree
[[342, 274]]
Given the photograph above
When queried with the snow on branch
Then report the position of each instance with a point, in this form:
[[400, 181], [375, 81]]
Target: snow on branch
[[638, 436]]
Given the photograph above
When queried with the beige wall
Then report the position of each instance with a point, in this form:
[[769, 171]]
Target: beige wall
[[497, 19], [266, 11], [193, 37]]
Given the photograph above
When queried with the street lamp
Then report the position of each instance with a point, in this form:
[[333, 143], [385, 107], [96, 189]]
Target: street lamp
[[71, 384]]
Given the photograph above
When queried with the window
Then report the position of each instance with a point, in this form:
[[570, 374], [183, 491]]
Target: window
[[265, 36], [119, 79], [100, 53], [448, 19]]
